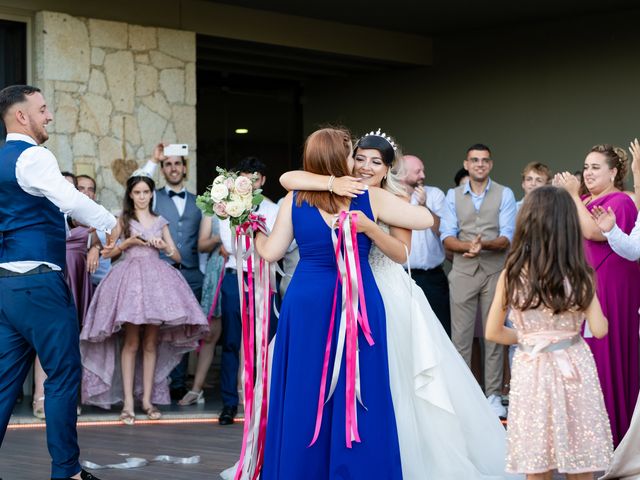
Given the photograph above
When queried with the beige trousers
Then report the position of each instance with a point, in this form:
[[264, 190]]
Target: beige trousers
[[467, 292]]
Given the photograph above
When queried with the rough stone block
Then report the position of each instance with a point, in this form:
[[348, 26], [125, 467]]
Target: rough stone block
[[65, 51], [177, 43], [151, 127], [172, 84], [97, 82], [95, 114], [161, 60], [84, 145], [65, 113], [109, 149], [142, 58], [97, 56], [146, 80], [120, 78], [142, 38], [108, 34], [131, 130], [158, 104], [184, 121], [190, 84]]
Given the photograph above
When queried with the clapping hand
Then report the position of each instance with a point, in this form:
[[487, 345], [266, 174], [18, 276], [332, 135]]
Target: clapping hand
[[634, 148], [348, 186], [605, 219], [568, 181], [475, 248]]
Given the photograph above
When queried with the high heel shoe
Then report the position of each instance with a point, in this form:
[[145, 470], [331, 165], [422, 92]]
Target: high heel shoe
[[38, 408], [153, 413], [192, 397]]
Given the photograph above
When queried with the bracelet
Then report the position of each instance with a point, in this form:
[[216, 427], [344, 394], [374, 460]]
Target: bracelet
[[170, 254], [330, 186]]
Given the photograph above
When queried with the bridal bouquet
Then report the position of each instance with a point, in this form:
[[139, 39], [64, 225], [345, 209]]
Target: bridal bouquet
[[230, 196]]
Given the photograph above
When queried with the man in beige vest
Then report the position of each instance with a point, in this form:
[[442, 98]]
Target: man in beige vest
[[477, 226]]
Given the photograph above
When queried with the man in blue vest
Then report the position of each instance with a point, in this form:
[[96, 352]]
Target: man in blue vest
[[179, 208], [37, 313]]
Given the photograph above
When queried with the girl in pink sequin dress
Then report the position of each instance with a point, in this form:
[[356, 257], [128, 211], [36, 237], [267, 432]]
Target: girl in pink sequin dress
[[557, 417], [143, 316]]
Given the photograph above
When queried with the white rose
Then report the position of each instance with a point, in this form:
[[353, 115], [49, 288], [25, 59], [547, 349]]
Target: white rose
[[247, 200], [243, 186], [235, 209], [219, 192], [219, 179]]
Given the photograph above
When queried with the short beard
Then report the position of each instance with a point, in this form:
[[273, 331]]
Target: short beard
[[40, 135], [170, 182]]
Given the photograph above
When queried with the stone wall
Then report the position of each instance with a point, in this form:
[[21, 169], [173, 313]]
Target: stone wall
[[115, 91]]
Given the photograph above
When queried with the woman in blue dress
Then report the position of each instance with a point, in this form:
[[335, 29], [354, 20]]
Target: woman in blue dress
[[302, 333]]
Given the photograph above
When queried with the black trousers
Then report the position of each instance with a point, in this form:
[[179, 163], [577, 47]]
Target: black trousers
[[435, 286]]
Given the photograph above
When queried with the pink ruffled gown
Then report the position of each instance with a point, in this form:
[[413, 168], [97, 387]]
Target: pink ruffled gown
[[140, 289]]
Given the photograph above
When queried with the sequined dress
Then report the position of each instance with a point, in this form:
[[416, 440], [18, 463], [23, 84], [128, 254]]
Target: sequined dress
[[557, 416], [140, 289]]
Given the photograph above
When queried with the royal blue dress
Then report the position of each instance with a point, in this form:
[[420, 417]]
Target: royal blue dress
[[297, 370]]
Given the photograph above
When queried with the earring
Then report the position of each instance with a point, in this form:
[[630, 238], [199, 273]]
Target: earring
[[385, 177]]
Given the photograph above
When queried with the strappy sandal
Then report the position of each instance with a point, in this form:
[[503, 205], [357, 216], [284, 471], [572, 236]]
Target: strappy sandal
[[153, 413], [192, 397], [38, 408], [128, 418]]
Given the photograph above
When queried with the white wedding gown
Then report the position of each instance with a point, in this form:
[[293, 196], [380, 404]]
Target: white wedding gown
[[446, 428]]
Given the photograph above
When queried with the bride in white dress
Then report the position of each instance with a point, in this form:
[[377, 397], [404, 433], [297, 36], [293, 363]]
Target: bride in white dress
[[446, 428]]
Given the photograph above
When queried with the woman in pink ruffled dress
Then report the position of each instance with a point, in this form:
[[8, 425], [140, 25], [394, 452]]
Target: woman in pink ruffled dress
[[143, 316]]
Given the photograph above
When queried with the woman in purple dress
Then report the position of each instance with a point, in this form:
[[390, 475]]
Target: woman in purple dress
[[149, 301], [617, 279], [76, 274]]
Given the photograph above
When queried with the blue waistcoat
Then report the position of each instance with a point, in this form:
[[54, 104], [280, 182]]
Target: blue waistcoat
[[31, 228], [184, 229]]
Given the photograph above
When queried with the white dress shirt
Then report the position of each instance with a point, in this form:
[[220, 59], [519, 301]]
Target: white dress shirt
[[427, 251], [38, 174], [267, 208], [627, 246]]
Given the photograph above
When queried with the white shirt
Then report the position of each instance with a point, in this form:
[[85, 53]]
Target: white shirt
[[38, 174], [180, 203], [426, 247], [627, 246], [266, 208]]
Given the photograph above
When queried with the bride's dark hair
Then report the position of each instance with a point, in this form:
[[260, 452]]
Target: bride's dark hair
[[546, 265]]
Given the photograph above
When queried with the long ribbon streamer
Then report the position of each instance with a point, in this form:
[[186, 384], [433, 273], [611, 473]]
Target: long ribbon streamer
[[135, 462], [353, 313], [256, 313]]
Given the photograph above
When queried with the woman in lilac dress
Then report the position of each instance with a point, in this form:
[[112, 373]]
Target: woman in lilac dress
[[617, 279], [150, 301]]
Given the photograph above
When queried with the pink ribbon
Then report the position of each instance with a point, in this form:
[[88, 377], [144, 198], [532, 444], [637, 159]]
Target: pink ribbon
[[353, 313], [255, 342]]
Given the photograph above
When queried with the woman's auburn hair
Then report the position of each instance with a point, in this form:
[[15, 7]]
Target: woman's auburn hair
[[325, 153], [546, 265]]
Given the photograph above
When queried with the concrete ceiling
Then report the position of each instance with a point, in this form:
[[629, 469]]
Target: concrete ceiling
[[430, 18]]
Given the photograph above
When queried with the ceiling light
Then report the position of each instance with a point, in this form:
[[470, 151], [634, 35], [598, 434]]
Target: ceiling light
[[242, 131]]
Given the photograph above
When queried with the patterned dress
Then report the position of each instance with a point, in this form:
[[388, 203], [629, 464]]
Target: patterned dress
[[141, 289], [557, 416]]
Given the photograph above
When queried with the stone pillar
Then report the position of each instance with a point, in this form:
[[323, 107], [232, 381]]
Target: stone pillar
[[115, 91]]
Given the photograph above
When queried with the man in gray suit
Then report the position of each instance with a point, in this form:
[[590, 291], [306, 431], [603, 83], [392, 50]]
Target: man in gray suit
[[179, 208]]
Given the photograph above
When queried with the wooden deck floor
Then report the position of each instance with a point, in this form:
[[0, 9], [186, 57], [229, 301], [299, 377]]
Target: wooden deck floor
[[24, 454]]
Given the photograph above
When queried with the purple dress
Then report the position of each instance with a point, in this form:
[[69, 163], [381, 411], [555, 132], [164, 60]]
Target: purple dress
[[140, 289], [617, 355], [76, 274]]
